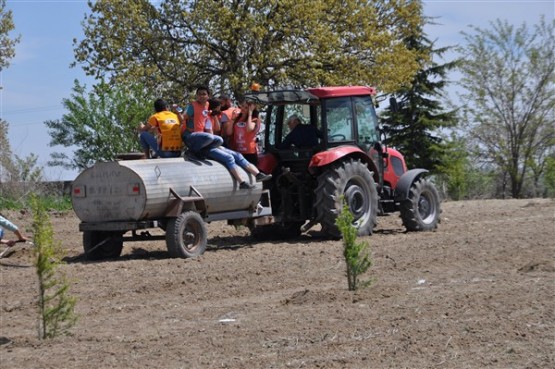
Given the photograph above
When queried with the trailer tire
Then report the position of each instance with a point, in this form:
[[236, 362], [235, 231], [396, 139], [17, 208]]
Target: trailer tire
[[101, 245], [351, 179], [421, 210], [186, 235]]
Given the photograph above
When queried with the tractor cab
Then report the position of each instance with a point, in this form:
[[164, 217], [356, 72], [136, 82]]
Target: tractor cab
[[341, 117]]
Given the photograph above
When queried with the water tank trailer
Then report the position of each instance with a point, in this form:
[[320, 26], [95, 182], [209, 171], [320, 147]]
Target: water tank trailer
[[176, 195]]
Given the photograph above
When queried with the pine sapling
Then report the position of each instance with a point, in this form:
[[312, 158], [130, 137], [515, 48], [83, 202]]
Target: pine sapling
[[55, 305], [357, 255]]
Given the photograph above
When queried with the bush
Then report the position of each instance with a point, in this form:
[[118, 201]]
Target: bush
[[17, 195]]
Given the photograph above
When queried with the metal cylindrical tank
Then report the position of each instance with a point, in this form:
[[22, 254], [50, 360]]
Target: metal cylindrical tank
[[131, 190]]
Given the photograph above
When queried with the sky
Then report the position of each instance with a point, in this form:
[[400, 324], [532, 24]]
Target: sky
[[40, 77]]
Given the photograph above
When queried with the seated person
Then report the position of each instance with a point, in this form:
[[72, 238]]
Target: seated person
[[161, 133], [196, 130], [302, 136]]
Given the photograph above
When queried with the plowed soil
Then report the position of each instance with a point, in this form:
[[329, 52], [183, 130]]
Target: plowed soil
[[476, 293]]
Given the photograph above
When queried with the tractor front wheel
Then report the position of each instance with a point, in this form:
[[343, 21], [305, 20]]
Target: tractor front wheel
[[352, 181], [421, 210], [186, 235]]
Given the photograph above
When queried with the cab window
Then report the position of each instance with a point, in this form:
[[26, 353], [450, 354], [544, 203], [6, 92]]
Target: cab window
[[367, 121], [339, 119], [279, 115]]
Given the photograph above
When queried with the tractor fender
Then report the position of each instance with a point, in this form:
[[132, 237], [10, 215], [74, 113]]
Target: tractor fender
[[405, 182], [332, 155]]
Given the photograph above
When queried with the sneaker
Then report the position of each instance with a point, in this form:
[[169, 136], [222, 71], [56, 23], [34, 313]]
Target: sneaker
[[261, 177], [246, 186]]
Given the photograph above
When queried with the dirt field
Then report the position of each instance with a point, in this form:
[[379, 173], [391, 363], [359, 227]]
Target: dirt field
[[477, 293]]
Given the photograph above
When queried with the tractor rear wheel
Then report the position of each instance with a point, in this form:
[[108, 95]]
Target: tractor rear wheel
[[186, 235], [100, 245], [352, 180], [421, 210]]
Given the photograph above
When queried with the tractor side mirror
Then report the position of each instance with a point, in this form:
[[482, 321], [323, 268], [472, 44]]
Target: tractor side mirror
[[393, 106]]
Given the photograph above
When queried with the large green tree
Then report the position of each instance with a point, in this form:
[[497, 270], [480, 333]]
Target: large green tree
[[10, 169], [7, 43], [7, 51], [416, 125], [100, 124], [509, 79], [174, 44]]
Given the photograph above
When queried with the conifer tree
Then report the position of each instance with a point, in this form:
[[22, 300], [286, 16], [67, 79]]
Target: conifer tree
[[414, 127], [55, 304]]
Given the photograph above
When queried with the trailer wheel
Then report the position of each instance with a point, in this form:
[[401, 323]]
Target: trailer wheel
[[186, 235], [354, 181], [421, 210], [100, 245]]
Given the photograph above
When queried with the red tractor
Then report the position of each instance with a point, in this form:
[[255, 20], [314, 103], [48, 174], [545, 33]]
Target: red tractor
[[347, 161]]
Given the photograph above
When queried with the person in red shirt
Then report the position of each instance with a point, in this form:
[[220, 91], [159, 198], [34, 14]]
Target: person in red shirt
[[243, 129]]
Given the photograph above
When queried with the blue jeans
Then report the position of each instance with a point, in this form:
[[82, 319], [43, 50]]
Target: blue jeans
[[198, 141], [148, 141], [227, 157]]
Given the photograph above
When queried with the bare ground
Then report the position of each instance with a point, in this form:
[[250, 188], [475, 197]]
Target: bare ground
[[477, 293]]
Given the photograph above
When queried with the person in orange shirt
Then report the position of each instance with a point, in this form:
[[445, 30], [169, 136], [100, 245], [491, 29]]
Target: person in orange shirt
[[196, 129], [228, 112], [215, 114], [243, 128], [161, 133], [232, 160]]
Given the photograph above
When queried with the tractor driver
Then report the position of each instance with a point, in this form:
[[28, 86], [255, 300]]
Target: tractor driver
[[302, 136]]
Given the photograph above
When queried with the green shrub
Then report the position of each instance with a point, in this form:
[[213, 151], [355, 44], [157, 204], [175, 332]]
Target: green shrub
[[16, 195], [357, 255], [50, 202], [57, 203], [55, 305]]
